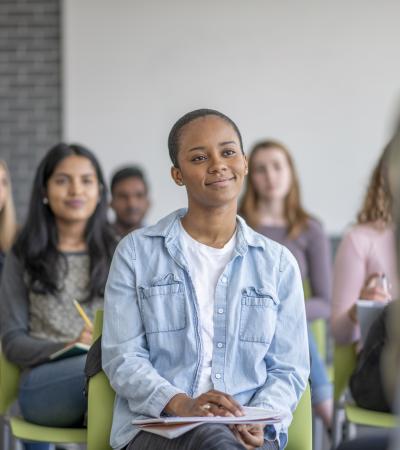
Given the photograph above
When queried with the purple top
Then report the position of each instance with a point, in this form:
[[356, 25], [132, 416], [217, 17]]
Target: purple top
[[312, 252]]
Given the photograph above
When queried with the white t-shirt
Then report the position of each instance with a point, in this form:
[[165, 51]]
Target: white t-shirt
[[206, 265]]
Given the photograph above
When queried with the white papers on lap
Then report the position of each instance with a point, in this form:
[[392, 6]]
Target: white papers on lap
[[169, 431], [172, 427]]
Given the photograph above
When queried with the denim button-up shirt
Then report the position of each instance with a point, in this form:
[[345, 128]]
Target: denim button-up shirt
[[152, 347]]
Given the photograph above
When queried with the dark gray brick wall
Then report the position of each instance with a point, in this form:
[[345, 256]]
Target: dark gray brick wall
[[30, 88]]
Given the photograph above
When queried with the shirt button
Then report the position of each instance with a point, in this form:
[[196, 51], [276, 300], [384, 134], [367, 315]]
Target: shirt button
[[224, 279], [220, 310], [217, 376], [220, 345]]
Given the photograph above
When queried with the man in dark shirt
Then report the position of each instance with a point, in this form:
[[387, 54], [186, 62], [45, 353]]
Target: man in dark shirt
[[130, 199]]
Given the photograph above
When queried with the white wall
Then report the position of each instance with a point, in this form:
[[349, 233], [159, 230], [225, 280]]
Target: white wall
[[321, 76]]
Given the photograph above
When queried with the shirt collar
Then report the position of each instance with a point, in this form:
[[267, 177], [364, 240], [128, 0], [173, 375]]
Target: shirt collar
[[168, 227]]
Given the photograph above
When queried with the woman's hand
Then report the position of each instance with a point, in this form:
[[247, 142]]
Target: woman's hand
[[211, 403], [372, 290], [250, 436], [85, 336]]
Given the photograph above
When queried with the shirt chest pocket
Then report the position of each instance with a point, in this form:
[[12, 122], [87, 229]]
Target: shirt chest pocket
[[258, 315], [163, 305]]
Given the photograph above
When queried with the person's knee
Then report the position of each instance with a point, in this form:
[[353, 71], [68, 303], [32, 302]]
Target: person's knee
[[215, 437], [49, 396]]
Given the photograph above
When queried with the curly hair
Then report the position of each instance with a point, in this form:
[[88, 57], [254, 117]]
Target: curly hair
[[378, 202]]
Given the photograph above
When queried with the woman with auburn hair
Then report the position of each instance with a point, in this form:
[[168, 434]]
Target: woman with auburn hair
[[272, 206], [8, 224], [365, 264]]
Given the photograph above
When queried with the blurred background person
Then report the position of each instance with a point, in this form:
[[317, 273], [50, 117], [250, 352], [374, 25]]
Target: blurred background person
[[390, 361], [8, 224], [365, 254], [391, 358], [272, 206], [129, 199], [63, 253]]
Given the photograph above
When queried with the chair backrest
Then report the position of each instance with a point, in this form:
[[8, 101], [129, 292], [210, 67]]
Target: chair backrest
[[100, 403], [98, 324], [300, 430], [344, 362], [9, 383]]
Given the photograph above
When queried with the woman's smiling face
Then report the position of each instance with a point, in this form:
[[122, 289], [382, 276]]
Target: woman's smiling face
[[73, 189], [211, 163]]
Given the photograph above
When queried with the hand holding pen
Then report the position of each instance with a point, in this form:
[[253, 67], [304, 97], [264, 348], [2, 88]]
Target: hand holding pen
[[376, 288], [86, 335]]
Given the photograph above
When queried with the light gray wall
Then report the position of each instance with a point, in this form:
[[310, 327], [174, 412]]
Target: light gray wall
[[321, 76]]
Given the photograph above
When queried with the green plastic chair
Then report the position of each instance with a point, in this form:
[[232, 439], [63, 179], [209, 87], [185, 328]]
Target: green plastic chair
[[318, 326], [300, 430], [20, 428], [101, 401], [344, 360]]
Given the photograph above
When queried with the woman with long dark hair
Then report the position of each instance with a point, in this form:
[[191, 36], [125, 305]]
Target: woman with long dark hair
[[62, 253], [204, 316]]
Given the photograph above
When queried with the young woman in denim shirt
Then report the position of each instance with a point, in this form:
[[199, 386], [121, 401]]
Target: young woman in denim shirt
[[202, 314]]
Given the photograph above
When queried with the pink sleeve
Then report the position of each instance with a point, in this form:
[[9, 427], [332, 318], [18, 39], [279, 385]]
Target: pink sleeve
[[348, 279]]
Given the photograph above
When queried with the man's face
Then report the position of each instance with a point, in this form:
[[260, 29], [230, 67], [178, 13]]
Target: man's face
[[130, 202]]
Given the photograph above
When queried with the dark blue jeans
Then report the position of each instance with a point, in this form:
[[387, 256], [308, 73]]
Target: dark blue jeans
[[52, 395]]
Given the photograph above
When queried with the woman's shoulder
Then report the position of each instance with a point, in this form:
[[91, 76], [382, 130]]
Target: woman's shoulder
[[273, 252], [312, 232], [365, 232], [13, 259], [362, 237], [314, 226]]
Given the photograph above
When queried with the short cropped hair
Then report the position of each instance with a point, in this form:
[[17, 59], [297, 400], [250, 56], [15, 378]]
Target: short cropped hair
[[128, 172], [175, 133]]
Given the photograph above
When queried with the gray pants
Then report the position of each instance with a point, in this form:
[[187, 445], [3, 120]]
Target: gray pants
[[204, 437]]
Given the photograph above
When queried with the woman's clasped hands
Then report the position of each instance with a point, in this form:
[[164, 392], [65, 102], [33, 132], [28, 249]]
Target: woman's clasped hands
[[217, 403]]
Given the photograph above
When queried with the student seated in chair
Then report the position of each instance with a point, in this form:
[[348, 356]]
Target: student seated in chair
[[272, 205], [62, 253], [202, 314], [129, 199], [365, 257]]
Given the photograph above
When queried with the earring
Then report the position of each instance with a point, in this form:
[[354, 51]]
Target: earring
[[45, 201], [180, 183]]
